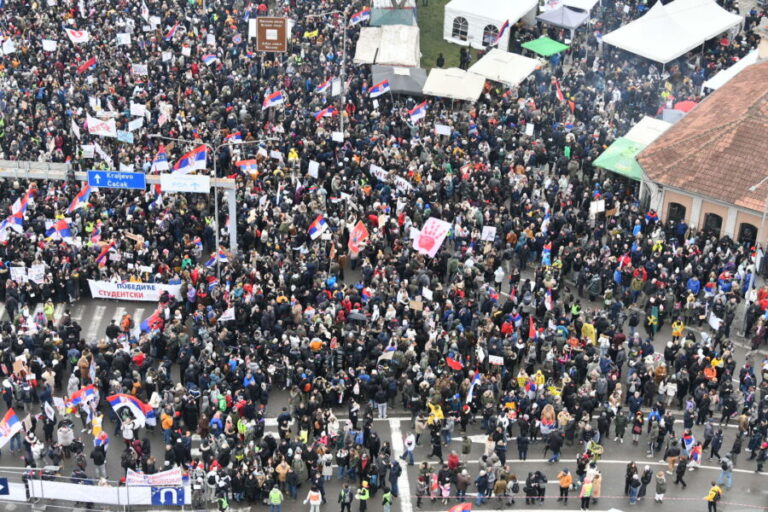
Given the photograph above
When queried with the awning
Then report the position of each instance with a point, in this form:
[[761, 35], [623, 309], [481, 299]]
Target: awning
[[380, 17], [564, 17], [723, 76], [401, 80], [545, 46], [505, 67], [620, 158], [394, 45], [647, 130], [454, 83]]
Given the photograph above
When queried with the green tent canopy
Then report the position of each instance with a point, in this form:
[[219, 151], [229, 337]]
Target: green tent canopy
[[620, 158], [545, 46]]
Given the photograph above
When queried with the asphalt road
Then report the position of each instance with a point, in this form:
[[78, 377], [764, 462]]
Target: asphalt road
[[749, 491]]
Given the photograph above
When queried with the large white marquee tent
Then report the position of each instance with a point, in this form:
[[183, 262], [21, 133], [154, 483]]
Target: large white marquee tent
[[669, 31], [505, 67], [466, 21]]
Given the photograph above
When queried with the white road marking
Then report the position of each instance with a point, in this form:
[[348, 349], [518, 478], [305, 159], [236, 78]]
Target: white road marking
[[402, 482], [94, 322], [77, 313]]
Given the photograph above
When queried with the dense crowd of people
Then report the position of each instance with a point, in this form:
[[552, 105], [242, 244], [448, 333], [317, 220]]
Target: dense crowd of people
[[546, 330]]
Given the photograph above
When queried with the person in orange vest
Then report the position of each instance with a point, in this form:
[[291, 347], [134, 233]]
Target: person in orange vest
[[315, 499]]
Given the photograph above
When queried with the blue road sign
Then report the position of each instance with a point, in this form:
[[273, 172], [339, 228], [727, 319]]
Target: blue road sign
[[4, 488], [168, 496], [114, 179]]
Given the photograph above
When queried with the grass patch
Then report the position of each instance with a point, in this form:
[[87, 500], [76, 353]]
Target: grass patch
[[432, 42]]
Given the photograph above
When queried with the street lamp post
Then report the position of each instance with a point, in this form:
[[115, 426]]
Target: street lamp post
[[343, 60], [214, 152]]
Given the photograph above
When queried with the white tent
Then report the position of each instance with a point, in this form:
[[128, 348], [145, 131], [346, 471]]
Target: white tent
[[723, 76], [468, 22], [454, 83], [669, 31], [391, 45], [505, 67], [584, 5], [647, 130]]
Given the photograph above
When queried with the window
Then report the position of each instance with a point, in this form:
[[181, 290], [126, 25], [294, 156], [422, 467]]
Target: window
[[460, 28], [713, 224], [490, 32], [676, 212], [747, 233]]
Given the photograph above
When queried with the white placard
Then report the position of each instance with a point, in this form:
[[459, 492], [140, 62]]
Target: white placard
[[140, 69], [135, 124], [497, 360], [375, 103], [18, 274], [186, 51], [414, 234], [426, 293], [489, 233], [314, 169], [88, 150], [138, 110], [337, 136], [277, 155], [529, 129], [210, 39], [123, 39], [167, 56], [49, 45], [442, 129], [185, 183]]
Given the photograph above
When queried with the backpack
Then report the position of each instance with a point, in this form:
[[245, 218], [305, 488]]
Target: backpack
[[516, 488], [359, 438], [717, 497], [724, 465]]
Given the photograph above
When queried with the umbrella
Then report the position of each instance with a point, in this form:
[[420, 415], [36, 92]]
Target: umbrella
[[685, 106], [357, 316]]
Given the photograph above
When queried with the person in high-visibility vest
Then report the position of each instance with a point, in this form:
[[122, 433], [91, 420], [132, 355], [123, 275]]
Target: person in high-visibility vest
[[275, 499], [586, 493], [315, 499], [363, 494]]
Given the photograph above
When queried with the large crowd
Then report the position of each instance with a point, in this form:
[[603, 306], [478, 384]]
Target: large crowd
[[545, 330]]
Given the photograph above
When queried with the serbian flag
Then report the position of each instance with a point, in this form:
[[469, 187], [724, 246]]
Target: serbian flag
[[101, 440], [209, 59], [418, 112], [82, 395], [454, 364], [318, 226], [274, 99], [249, 166], [361, 16], [169, 35], [160, 163], [9, 427], [85, 66], [461, 507], [143, 413], [20, 205], [475, 382], [323, 87], [212, 260], [80, 200], [695, 453], [326, 112], [688, 441], [192, 161], [222, 255], [96, 233], [153, 323], [546, 254], [504, 28], [101, 259], [559, 92], [379, 89], [234, 137], [59, 229]]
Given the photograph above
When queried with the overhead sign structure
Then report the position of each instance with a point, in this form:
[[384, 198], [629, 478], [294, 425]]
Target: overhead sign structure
[[271, 34], [114, 179], [185, 183]]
